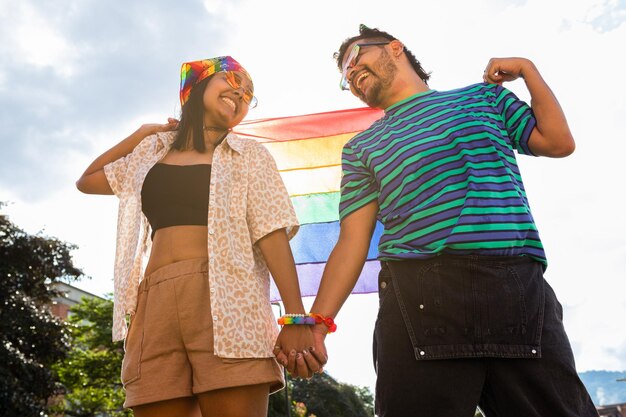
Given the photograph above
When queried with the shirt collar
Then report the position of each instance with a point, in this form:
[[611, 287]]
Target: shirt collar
[[235, 142], [165, 139], [414, 98]]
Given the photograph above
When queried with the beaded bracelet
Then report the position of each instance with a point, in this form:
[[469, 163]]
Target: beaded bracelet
[[328, 321], [296, 319], [309, 319]]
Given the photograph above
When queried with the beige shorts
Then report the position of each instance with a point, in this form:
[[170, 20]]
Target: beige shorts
[[169, 348]]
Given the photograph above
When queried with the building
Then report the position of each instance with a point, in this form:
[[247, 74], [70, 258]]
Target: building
[[69, 297], [614, 410]]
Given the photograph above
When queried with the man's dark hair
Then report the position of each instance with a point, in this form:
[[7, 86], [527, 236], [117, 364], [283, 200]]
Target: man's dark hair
[[375, 34]]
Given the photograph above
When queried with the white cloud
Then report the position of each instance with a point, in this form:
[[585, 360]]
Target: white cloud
[[34, 39], [607, 16], [222, 8]]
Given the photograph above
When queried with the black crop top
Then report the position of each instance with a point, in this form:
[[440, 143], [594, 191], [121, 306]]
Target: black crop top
[[176, 195]]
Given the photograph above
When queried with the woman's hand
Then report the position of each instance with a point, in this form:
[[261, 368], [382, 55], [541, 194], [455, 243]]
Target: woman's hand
[[94, 181], [152, 128]]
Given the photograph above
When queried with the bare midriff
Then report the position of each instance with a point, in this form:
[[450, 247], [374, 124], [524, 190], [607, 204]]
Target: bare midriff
[[177, 243]]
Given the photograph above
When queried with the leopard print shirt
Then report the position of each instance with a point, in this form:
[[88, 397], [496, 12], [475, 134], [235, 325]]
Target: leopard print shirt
[[248, 201]]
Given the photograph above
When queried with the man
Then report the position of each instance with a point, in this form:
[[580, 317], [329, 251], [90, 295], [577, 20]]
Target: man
[[466, 317]]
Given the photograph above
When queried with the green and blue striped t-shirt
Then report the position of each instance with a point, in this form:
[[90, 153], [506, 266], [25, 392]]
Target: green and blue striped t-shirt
[[442, 167]]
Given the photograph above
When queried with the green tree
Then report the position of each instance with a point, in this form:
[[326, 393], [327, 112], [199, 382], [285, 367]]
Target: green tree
[[90, 372], [31, 339], [323, 396]]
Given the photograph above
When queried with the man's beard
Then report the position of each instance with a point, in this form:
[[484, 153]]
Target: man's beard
[[384, 70]]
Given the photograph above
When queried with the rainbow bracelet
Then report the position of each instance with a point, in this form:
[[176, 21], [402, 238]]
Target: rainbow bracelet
[[309, 319], [296, 319]]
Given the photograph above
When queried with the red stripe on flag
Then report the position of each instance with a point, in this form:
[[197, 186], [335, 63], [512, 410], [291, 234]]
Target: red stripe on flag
[[309, 126]]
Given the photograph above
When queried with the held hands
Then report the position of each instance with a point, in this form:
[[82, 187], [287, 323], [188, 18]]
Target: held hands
[[301, 350], [501, 70]]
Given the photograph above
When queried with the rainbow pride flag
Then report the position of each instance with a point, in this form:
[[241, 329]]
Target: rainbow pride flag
[[307, 150]]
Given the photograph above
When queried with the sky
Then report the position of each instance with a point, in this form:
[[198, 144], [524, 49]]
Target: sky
[[77, 76]]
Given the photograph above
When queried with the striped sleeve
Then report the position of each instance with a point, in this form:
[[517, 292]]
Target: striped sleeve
[[518, 117], [358, 186]]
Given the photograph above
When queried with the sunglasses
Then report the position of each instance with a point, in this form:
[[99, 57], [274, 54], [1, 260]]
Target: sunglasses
[[352, 60], [234, 80]]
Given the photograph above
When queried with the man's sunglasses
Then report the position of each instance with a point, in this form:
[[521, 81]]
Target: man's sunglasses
[[234, 80], [353, 57]]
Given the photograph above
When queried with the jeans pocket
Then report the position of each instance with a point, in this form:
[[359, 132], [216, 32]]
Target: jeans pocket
[[456, 307], [514, 305], [442, 305], [435, 301], [385, 288]]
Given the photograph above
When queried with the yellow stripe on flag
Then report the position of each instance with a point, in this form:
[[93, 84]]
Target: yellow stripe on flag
[[308, 153], [326, 180]]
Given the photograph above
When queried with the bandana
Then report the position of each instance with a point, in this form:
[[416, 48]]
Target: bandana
[[191, 73]]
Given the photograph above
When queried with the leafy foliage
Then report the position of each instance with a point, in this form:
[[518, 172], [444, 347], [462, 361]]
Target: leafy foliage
[[31, 339], [90, 372], [323, 396]]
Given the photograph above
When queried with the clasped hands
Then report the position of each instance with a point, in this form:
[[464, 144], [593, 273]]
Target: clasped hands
[[300, 349]]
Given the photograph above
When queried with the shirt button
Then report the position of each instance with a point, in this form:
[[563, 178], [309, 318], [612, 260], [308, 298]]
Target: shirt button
[[214, 318], [211, 261], [534, 351], [383, 285], [212, 290], [211, 231], [421, 306], [422, 352]]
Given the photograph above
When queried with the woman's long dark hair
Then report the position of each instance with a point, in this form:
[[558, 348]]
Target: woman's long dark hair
[[191, 119]]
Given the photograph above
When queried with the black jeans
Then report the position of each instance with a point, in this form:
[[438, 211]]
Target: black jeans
[[454, 332]]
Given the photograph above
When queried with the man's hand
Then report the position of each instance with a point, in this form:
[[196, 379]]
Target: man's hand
[[552, 136], [501, 70]]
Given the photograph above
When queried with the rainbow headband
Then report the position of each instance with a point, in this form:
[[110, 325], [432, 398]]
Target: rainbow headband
[[191, 73]]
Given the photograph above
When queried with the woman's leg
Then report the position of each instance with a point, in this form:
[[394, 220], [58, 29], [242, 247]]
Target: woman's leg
[[177, 407], [245, 401]]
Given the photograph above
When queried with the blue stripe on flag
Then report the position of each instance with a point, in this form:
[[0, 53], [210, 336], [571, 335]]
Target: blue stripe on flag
[[314, 242]]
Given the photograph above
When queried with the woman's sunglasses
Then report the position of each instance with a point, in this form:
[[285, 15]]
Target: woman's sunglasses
[[234, 80]]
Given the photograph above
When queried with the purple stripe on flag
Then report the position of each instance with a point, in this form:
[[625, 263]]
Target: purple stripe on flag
[[310, 275]]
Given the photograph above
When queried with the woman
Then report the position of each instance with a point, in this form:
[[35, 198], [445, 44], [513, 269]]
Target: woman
[[201, 330]]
